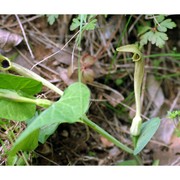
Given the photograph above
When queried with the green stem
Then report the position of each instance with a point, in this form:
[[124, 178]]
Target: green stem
[[106, 135], [13, 96], [27, 73], [138, 160], [6, 64]]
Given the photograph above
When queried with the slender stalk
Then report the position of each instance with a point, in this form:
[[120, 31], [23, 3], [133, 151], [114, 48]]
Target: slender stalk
[[25, 37], [6, 64], [13, 96], [24, 158], [27, 73], [106, 135], [138, 160]]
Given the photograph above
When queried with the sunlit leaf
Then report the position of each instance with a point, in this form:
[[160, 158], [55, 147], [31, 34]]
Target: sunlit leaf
[[159, 18], [91, 25], [18, 111], [52, 18], [156, 35], [19, 83], [166, 24], [75, 24], [160, 39], [143, 29]]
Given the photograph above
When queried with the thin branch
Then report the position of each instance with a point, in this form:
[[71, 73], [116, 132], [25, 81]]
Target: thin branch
[[24, 34], [22, 22], [54, 53], [175, 102]]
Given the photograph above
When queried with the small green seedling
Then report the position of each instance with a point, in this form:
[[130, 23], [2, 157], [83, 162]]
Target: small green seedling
[[175, 116], [51, 18], [83, 23], [156, 34]]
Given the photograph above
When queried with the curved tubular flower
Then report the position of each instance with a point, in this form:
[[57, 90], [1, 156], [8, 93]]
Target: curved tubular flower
[[138, 77], [6, 64]]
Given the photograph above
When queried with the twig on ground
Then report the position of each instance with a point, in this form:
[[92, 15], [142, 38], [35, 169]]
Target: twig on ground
[[24, 34], [55, 52], [22, 22], [175, 101], [30, 62]]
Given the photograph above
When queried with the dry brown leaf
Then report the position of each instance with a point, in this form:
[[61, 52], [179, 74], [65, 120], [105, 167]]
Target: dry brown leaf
[[114, 152], [132, 111], [106, 143], [155, 94], [167, 155], [63, 73], [165, 131], [64, 56], [8, 40]]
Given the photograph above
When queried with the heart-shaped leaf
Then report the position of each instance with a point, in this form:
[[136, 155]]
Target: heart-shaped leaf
[[72, 105], [18, 111], [19, 83]]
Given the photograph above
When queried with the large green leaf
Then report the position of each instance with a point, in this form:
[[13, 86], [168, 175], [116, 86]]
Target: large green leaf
[[148, 130], [72, 105], [18, 111], [47, 131], [19, 83], [28, 144]]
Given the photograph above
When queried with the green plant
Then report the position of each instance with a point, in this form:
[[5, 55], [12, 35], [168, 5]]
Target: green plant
[[155, 34], [84, 23], [175, 116], [51, 18]]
